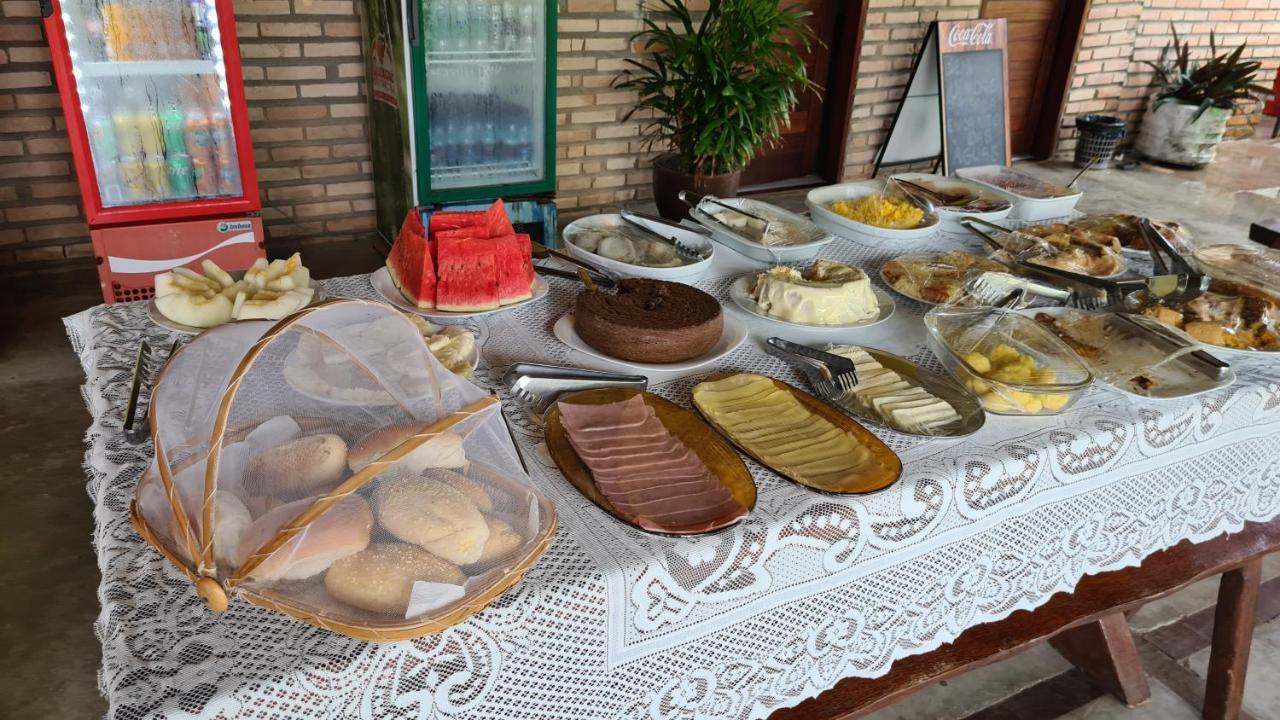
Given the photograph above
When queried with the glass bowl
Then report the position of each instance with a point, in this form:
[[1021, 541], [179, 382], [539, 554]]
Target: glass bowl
[[1013, 365]]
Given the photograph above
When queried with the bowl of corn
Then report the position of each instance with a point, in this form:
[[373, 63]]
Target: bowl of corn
[[867, 212]]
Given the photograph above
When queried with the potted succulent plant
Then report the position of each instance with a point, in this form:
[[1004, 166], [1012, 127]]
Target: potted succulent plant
[[1189, 113], [714, 90]]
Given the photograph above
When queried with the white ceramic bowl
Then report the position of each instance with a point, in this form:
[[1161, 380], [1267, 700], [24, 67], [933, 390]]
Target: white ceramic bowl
[[949, 218], [820, 199], [772, 254], [1025, 207], [682, 273]]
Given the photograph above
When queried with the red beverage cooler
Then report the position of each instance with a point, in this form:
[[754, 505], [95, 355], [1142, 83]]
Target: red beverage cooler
[[155, 110]]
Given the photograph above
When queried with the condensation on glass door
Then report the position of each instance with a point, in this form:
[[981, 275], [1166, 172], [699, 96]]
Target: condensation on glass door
[[486, 71], [153, 96]]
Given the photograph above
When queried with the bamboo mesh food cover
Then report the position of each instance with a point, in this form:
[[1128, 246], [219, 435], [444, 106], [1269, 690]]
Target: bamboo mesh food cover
[[329, 467]]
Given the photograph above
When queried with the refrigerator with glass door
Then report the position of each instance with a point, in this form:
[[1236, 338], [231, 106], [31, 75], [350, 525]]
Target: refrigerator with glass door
[[462, 106], [154, 103]]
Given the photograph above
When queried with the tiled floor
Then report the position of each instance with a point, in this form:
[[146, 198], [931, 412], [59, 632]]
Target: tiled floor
[[48, 576]]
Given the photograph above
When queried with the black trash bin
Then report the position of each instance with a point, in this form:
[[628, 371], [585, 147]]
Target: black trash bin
[[1099, 136]]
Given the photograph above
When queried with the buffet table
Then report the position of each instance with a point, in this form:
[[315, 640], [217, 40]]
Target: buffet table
[[614, 623]]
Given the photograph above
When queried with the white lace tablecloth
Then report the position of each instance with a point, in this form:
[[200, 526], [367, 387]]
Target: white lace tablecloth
[[614, 623]]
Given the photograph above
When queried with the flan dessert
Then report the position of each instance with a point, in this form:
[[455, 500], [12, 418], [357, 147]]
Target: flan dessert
[[825, 293], [645, 472], [650, 321], [894, 399]]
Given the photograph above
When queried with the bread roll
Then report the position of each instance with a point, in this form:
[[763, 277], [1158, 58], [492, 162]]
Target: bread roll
[[299, 467], [503, 540], [442, 451], [433, 515], [380, 579], [230, 521], [342, 531], [472, 489]]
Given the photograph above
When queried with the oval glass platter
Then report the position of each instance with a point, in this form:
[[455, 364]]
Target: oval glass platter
[[716, 454], [966, 405], [740, 293], [888, 465]]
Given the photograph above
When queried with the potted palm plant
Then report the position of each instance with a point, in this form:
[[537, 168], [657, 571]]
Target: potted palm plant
[[1188, 115], [714, 90]]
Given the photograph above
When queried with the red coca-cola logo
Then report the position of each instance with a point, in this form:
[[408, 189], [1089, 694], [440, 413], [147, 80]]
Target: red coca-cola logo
[[978, 34]]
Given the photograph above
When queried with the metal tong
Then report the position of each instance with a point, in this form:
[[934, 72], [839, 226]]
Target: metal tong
[[693, 200], [831, 375], [1158, 330], [537, 385], [541, 251], [684, 251], [1158, 246]]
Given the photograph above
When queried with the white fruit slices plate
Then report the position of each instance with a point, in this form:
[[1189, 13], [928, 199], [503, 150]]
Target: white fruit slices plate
[[740, 293], [733, 335], [381, 281], [157, 317]]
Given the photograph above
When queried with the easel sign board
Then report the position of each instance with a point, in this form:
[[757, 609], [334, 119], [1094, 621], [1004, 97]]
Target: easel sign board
[[975, 88], [955, 109]]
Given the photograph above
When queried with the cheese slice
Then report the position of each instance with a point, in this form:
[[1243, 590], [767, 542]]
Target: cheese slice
[[898, 402]]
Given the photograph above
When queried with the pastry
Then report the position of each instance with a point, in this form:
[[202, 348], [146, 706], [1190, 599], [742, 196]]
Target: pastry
[[887, 395], [774, 426], [473, 490], [444, 450], [937, 278], [431, 514], [299, 467], [503, 540], [647, 474], [341, 531], [825, 293], [649, 321], [381, 578]]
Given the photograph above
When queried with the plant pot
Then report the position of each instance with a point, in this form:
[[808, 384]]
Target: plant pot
[[1169, 136], [668, 181]]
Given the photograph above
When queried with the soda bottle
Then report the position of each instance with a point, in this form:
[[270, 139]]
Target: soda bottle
[[221, 135], [157, 177], [478, 21], [128, 135], [228, 175], [200, 29], [115, 30], [206, 177], [102, 138], [148, 122], [181, 179], [173, 125], [198, 141], [133, 177]]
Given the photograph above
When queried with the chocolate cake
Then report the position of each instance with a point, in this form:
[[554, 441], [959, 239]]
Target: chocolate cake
[[649, 321]]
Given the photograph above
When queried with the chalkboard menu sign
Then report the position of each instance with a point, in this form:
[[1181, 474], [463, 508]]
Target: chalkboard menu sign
[[973, 82], [955, 109]]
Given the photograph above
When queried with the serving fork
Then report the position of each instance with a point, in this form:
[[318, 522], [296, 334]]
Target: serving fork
[[832, 376]]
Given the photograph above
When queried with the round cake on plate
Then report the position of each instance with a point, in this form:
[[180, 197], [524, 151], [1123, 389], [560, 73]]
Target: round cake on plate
[[649, 321]]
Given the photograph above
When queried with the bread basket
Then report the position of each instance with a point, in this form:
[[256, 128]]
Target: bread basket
[[386, 520]]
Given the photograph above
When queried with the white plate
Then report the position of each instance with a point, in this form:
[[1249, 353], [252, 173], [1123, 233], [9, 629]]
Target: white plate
[[1024, 207], [733, 335], [772, 254], [157, 317], [950, 219], [740, 293], [381, 281], [683, 273], [819, 201]]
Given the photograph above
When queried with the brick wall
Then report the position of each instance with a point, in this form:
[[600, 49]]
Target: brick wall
[[305, 83], [1111, 77]]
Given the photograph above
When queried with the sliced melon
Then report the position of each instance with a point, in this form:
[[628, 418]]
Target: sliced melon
[[212, 270], [509, 253], [165, 284], [468, 277], [195, 310]]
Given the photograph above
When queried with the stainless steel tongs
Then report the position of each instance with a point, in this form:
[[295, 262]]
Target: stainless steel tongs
[[1158, 246], [830, 375], [632, 219]]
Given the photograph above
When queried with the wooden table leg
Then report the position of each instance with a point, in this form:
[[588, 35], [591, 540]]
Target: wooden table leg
[[1104, 649], [1232, 635]]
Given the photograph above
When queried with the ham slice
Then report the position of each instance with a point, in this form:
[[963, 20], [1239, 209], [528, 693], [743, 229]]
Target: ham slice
[[648, 476]]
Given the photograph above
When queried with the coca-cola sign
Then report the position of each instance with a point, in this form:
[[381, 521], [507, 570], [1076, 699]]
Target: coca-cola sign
[[979, 34]]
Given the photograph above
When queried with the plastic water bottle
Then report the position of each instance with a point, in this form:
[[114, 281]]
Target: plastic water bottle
[[496, 26], [489, 136], [469, 145], [439, 131], [460, 21], [439, 24], [510, 31], [525, 26], [478, 20]]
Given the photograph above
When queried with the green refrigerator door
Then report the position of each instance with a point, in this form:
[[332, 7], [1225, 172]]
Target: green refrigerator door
[[484, 74], [386, 44]]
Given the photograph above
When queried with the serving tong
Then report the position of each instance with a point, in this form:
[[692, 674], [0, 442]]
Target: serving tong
[[136, 428], [830, 375], [602, 277], [537, 386], [632, 219], [1178, 343], [694, 200]]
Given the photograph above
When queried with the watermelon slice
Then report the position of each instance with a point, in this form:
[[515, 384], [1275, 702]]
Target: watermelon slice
[[468, 273], [511, 259], [497, 220], [410, 264], [446, 220]]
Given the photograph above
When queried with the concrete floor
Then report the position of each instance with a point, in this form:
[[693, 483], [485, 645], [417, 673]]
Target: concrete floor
[[48, 577]]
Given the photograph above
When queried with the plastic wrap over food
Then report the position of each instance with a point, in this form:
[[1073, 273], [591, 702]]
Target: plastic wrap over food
[[770, 226], [936, 278], [1229, 315], [1013, 365], [1128, 234], [1253, 267], [1065, 247], [329, 467], [610, 238]]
